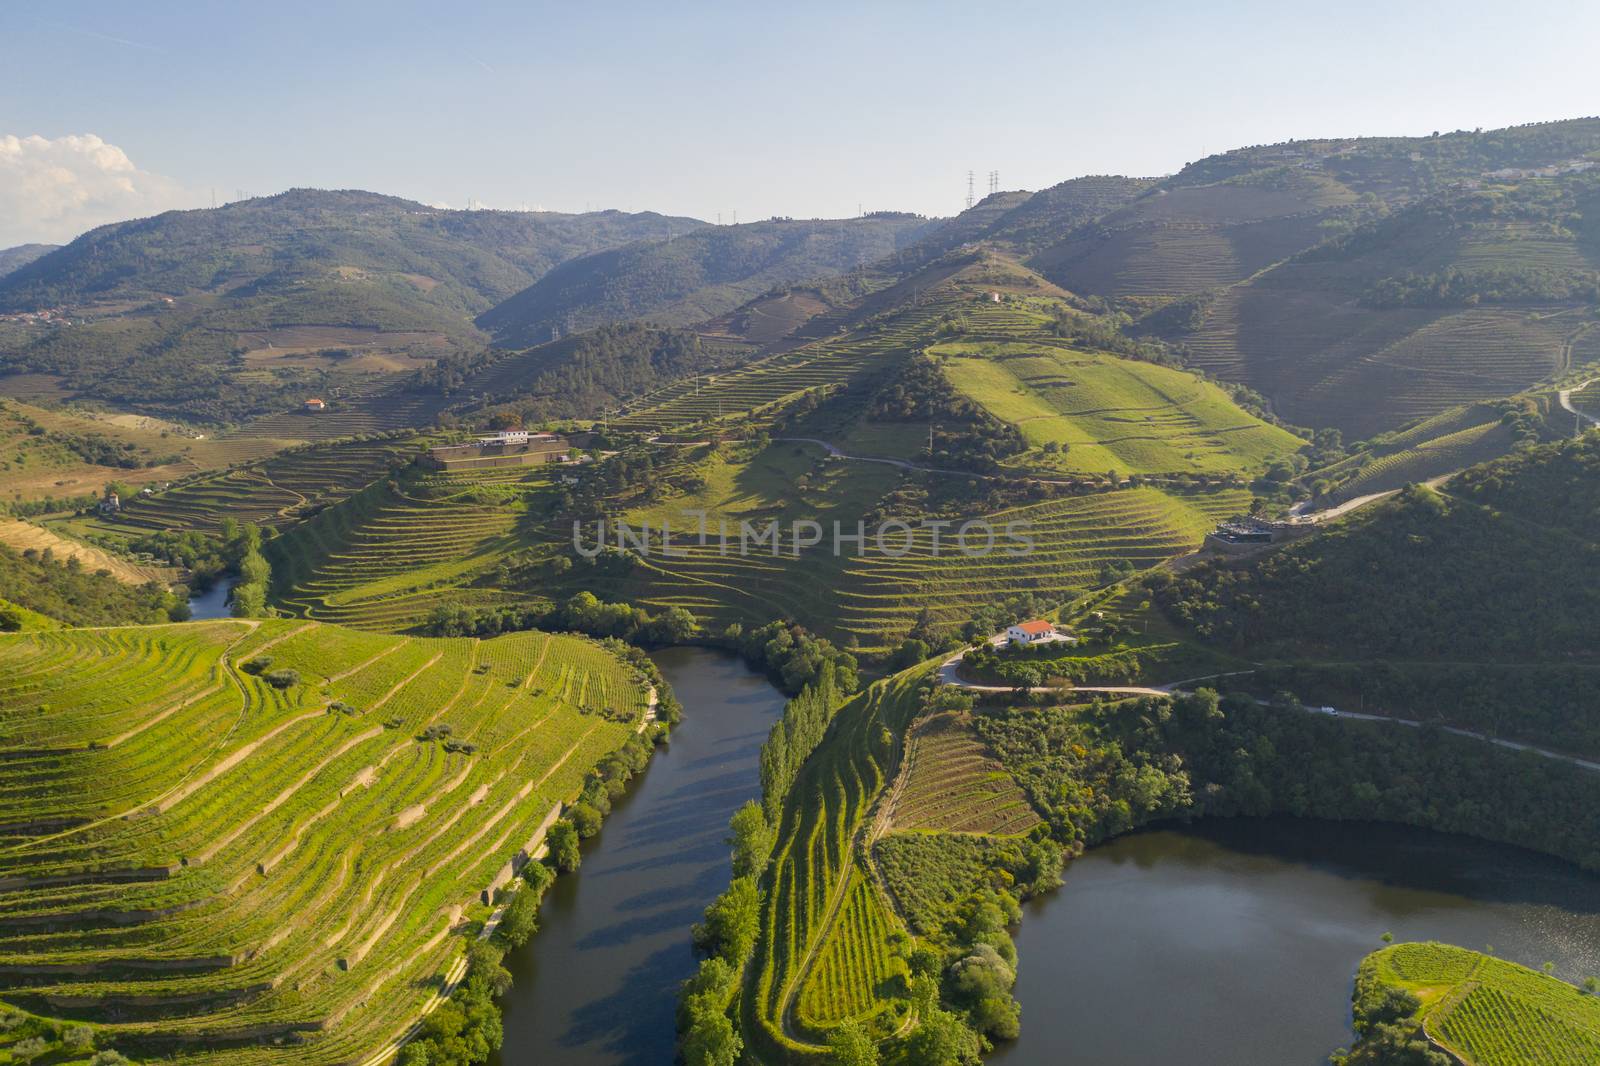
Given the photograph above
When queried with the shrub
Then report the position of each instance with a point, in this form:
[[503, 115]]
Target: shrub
[[282, 679]]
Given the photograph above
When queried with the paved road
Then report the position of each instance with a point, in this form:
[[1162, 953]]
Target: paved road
[[949, 674], [1565, 396]]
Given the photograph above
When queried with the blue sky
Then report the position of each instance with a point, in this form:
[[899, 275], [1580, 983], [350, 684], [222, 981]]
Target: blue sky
[[805, 109]]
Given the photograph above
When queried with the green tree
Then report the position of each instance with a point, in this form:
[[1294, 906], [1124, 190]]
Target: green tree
[[675, 625], [521, 918], [751, 839], [942, 1039], [249, 600], [585, 818], [711, 1041], [851, 1045], [732, 922], [563, 842]]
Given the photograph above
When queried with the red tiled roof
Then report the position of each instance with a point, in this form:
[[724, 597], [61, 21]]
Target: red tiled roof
[[1038, 627]]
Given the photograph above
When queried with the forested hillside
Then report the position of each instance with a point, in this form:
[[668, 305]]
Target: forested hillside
[[577, 377], [220, 313], [16, 258], [695, 277], [1474, 604], [62, 589]]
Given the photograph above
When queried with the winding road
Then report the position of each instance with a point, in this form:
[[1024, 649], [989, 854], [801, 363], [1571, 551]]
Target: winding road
[[949, 674], [1565, 398]]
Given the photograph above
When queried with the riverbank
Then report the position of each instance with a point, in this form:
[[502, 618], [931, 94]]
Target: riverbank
[[598, 985], [1247, 933]]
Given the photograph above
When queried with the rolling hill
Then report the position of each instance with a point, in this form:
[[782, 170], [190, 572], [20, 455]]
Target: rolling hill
[[217, 314], [239, 842], [504, 539], [694, 277], [16, 258], [1473, 294], [1468, 605], [1085, 413]]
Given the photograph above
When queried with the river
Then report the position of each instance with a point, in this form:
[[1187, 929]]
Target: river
[[1234, 943], [213, 602], [598, 983], [1229, 943]]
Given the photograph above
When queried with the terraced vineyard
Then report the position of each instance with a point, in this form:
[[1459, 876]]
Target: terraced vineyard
[[952, 783], [272, 491], [759, 386], [854, 963], [1099, 412], [877, 594], [379, 561], [1443, 361], [824, 953], [1448, 442], [957, 302], [1190, 239], [213, 858], [1488, 1012]]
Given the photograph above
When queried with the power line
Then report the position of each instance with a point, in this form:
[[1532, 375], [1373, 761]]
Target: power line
[[969, 190]]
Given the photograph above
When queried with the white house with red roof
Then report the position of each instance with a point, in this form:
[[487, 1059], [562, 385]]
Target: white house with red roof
[[1033, 631]]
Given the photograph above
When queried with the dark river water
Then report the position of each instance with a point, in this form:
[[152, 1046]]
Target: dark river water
[[598, 983], [1235, 943], [213, 602], [1224, 944]]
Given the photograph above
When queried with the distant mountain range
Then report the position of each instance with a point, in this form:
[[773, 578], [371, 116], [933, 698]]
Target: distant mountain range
[[697, 276], [1357, 283], [16, 258]]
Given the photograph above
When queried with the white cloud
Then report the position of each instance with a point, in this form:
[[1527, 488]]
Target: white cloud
[[52, 189]]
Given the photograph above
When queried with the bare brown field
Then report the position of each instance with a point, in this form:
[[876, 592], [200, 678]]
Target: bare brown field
[[21, 536]]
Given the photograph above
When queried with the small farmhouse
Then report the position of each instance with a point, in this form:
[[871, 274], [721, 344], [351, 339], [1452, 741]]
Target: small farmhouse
[[314, 404], [1031, 632]]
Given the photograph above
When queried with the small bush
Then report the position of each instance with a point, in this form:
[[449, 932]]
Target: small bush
[[259, 665], [282, 679]]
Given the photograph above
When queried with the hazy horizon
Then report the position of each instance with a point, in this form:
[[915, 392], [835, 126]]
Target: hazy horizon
[[120, 112]]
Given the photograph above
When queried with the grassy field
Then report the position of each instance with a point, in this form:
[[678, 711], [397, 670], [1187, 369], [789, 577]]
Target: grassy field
[[201, 864], [1488, 1012], [1090, 413], [42, 451]]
